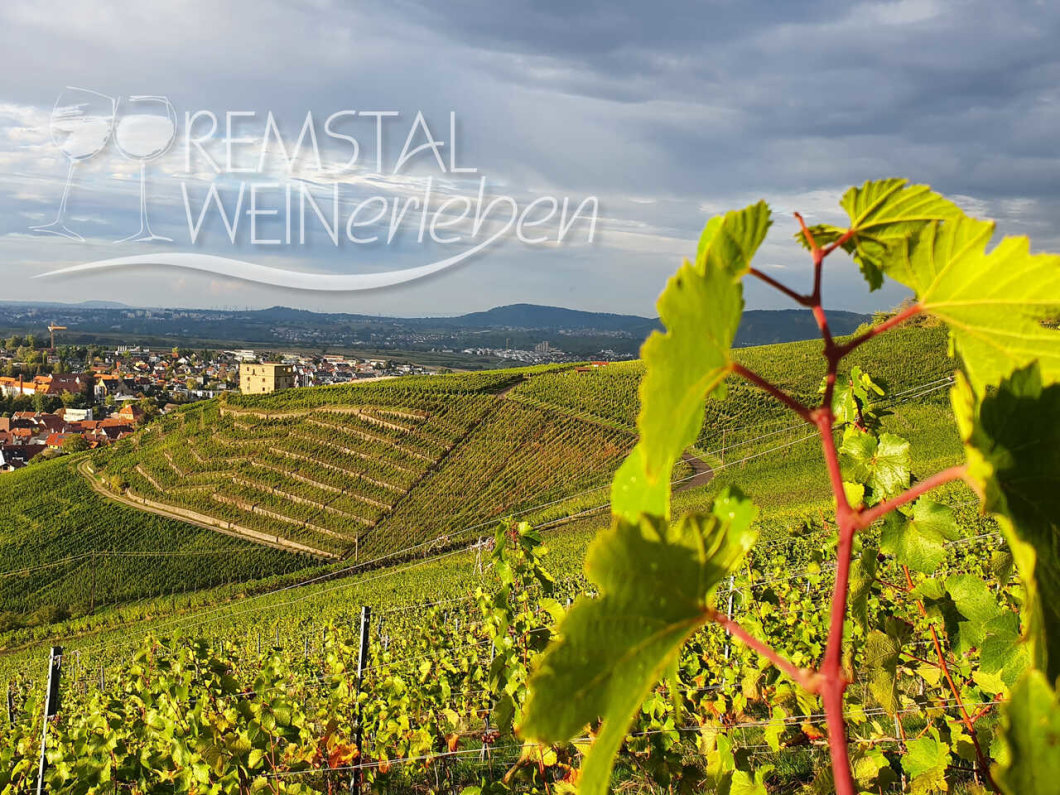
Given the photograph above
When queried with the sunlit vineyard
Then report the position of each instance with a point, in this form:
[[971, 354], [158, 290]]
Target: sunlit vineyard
[[363, 470], [65, 551], [279, 670], [253, 686]]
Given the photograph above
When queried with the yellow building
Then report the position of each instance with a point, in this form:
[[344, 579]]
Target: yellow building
[[257, 379]]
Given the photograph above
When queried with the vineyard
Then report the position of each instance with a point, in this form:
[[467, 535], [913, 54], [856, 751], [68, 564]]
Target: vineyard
[[435, 711], [360, 471], [65, 551], [270, 683], [830, 607]]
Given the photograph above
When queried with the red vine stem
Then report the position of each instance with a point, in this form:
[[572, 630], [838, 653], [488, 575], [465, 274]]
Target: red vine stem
[[773, 390], [792, 294], [969, 722], [804, 677], [875, 331], [833, 681], [870, 515], [829, 681]]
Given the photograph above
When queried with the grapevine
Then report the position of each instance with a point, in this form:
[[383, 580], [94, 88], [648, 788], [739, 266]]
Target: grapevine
[[926, 242]]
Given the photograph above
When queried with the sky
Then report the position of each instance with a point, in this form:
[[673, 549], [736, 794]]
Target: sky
[[660, 114]]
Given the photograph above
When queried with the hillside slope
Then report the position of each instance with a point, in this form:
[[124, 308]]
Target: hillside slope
[[64, 550], [395, 468], [364, 469], [369, 469]]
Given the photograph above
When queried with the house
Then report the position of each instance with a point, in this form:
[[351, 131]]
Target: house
[[12, 458], [55, 440], [257, 379], [16, 387], [74, 384], [130, 414], [75, 415], [22, 436]]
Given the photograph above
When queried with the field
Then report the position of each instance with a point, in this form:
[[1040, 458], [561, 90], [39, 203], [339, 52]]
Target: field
[[264, 671]]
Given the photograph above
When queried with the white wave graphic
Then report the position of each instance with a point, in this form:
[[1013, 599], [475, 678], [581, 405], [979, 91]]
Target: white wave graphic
[[276, 277]]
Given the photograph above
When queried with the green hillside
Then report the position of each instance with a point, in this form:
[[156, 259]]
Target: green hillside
[[65, 550], [387, 470], [456, 453], [363, 470]]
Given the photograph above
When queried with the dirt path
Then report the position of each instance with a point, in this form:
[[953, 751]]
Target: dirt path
[[702, 473], [199, 520]]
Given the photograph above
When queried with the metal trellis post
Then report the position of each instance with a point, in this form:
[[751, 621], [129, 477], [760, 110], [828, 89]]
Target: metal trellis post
[[51, 709], [728, 611], [357, 780]]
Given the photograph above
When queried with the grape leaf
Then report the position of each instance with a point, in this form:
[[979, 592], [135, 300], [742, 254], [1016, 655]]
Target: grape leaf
[[992, 302], [925, 762], [654, 581], [882, 215], [745, 783], [1013, 444], [881, 669], [1031, 730], [977, 606], [700, 309], [1003, 651], [862, 578], [881, 463], [919, 541]]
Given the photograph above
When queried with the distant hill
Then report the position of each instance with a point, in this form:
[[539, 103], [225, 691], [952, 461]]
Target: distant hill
[[758, 327], [764, 326], [580, 333], [533, 316]]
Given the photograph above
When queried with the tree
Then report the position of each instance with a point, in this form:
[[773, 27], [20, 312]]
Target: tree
[[75, 444], [149, 406]]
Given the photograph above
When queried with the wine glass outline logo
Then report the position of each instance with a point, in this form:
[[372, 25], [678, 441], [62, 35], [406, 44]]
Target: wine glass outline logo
[[80, 131], [145, 136]]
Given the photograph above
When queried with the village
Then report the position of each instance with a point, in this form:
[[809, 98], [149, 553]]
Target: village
[[67, 399]]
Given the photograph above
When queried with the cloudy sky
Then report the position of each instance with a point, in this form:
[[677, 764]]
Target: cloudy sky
[[666, 112]]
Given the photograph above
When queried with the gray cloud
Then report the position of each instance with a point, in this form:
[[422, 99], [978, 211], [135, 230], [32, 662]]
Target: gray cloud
[[667, 111]]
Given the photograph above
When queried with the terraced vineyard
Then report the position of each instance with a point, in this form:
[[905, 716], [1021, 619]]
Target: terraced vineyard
[[65, 551], [361, 471]]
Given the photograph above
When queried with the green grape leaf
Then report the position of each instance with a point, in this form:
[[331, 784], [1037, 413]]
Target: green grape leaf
[[977, 605], [925, 762], [700, 309], [1013, 445], [919, 540], [882, 215], [1030, 727], [745, 783], [881, 463], [881, 669], [851, 396], [992, 302], [1003, 651], [654, 581], [862, 578]]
